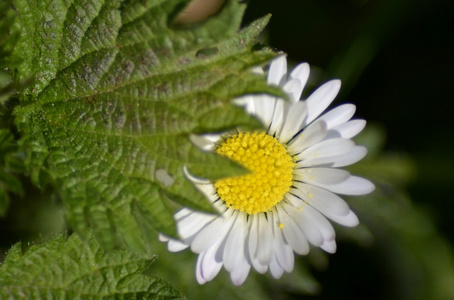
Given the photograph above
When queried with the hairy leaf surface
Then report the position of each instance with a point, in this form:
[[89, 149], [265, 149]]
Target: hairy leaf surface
[[71, 269], [118, 90]]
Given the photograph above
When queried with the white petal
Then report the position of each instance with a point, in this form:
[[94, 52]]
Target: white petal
[[326, 202], [275, 269], [341, 160], [247, 102], [210, 267], [199, 271], [194, 179], [321, 176], [206, 268], [352, 185], [284, 253], [176, 246], [312, 219], [264, 108], [331, 153], [309, 228], [258, 266], [329, 246], [253, 235], [278, 71], [192, 224], [205, 142], [339, 115], [253, 243], [293, 89], [327, 148], [265, 248], [310, 136], [349, 220], [257, 70], [239, 275], [292, 123], [234, 248], [278, 116], [212, 232], [292, 233], [349, 129], [182, 213], [301, 72], [213, 137], [322, 98], [163, 238], [321, 222], [209, 191]]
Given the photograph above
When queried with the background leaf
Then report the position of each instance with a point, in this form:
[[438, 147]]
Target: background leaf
[[118, 90], [10, 165], [69, 268]]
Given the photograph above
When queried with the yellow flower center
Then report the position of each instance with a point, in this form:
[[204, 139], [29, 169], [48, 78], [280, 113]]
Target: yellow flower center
[[271, 172]]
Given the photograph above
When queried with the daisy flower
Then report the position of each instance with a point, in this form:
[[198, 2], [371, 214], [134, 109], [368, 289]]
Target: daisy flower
[[283, 204]]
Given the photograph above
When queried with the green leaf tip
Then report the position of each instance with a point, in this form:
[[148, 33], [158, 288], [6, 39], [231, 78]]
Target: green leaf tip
[[69, 268], [119, 90]]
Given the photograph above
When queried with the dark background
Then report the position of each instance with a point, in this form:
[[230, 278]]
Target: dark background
[[395, 59]]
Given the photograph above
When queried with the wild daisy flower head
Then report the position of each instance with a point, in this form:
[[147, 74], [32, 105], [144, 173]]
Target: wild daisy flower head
[[283, 204]]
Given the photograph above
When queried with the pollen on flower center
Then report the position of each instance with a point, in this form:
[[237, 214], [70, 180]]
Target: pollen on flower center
[[271, 172]]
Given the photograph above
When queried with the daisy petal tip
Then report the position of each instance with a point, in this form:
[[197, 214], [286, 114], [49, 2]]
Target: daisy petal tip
[[257, 70], [237, 280], [163, 238], [301, 72], [305, 65], [336, 83], [329, 247], [350, 220], [368, 187], [278, 70], [280, 61], [201, 281], [360, 123], [176, 246]]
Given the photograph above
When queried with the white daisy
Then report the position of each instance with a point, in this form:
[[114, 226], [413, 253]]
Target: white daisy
[[282, 206]]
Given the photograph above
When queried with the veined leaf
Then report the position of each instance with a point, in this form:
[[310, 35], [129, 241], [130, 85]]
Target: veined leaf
[[118, 90], [72, 269]]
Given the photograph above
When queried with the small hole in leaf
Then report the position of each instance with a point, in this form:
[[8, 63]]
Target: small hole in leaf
[[164, 177], [259, 46], [206, 52]]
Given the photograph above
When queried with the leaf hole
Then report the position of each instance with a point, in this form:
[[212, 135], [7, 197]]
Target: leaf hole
[[206, 52], [164, 177]]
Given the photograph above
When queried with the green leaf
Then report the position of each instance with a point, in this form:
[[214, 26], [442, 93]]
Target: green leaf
[[71, 269], [118, 90]]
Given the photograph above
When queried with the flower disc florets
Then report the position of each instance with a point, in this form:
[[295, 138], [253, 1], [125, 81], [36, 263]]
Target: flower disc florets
[[271, 172]]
